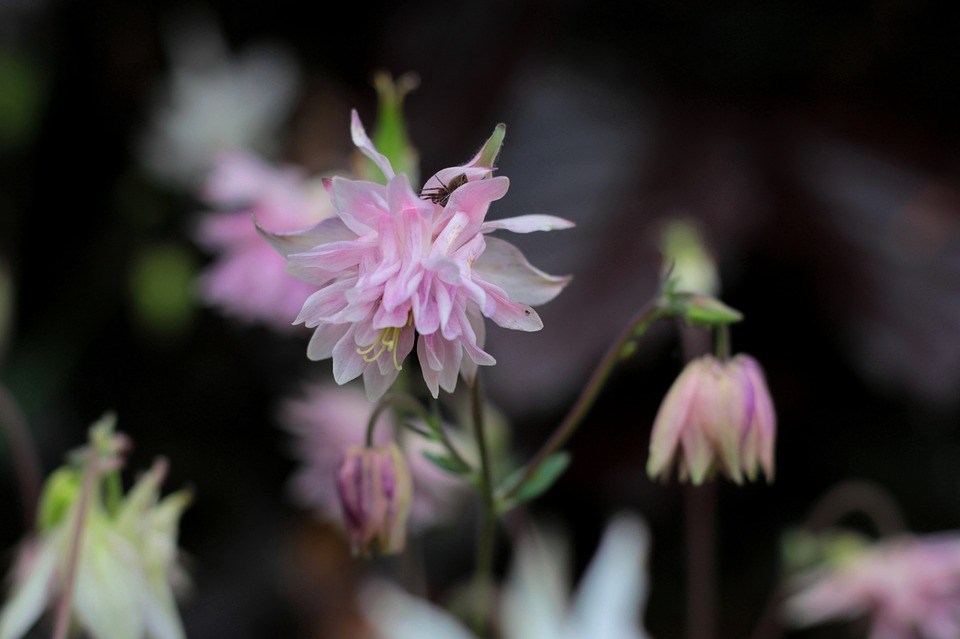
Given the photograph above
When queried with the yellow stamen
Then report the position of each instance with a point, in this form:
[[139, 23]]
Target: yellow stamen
[[388, 340]]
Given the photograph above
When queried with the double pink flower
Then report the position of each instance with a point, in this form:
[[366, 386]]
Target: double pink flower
[[394, 264]]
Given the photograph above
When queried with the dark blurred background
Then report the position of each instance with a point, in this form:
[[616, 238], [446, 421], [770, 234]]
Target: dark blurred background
[[815, 144]]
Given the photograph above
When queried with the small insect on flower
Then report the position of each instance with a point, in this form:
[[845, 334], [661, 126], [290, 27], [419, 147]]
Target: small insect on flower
[[441, 194]]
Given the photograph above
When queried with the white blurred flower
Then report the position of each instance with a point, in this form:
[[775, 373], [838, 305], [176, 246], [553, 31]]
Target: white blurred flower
[[214, 102], [607, 603], [127, 564]]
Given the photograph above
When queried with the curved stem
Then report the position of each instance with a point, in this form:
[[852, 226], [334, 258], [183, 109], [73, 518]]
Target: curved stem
[[485, 542], [90, 473], [393, 401], [23, 453], [651, 312]]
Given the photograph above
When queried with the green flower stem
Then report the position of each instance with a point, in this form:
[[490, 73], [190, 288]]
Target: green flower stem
[[625, 345], [723, 342], [22, 452], [90, 476], [484, 568], [400, 402]]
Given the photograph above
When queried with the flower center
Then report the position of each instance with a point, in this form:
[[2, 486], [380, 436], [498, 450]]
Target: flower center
[[387, 341]]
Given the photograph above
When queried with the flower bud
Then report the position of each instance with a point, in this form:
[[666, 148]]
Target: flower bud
[[717, 415], [375, 490]]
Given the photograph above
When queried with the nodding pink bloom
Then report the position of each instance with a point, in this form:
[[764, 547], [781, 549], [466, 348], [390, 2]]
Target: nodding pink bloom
[[248, 280], [717, 415], [908, 588], [394, 264], [326, 420]]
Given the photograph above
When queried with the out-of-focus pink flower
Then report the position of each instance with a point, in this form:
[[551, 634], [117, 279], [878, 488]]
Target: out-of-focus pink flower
[[248, 280], [908, 587], [717, 415], [326, 421], [394, 264]]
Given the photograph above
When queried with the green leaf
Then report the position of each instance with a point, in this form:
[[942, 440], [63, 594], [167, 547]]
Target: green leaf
[[703, 310], [447, 463], [491, 148], [59, 493], [542, 479]]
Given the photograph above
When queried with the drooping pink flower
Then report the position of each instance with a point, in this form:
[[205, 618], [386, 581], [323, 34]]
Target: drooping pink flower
[[248, 280], [394, 264], [908, 588], [717, 415], [327, 420]]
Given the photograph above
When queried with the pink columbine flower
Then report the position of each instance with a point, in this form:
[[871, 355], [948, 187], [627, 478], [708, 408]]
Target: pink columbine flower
[[717, 415], [326, 420], [908, 587], [248, 280], [394, 264]]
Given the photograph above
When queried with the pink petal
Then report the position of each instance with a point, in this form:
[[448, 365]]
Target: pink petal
[[671, 420], [443, 177], [347, 364], [324, 304], [360, 204], [329, 230], [505, 266], [527, 224], [363, 142]]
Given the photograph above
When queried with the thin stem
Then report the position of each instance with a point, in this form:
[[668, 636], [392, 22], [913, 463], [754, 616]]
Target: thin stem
[[393, 401], [637, 328], [701, 506], [723, 342], [448, 444], [76, 542], [484, 569], [23, 453]]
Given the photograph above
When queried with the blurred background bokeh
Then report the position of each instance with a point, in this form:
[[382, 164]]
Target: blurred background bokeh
[[815, 144]]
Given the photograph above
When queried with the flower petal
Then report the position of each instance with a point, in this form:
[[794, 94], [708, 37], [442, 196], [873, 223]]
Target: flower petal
[[324, 339], [528, 224], [360, 204], [332, 229], [396, 615], [347, 363], [363, 142], [671, 420], [614, 587], [505, 266], [29, 598]]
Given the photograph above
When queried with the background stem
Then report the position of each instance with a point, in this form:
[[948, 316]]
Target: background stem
[[701, 506], [23, 454], [485, 542], [637, 327]]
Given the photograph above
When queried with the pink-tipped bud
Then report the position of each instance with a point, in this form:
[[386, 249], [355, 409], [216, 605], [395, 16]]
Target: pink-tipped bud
[[717, 415], [375, 491]]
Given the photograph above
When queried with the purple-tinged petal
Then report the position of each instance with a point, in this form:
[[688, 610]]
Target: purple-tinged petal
[[765, 418], [508, 314], [527, 224], [360, 204], [363, 142], [505, 266], [331, 229], [324, 338]]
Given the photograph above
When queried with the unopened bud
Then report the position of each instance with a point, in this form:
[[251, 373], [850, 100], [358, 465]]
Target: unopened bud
[[375, 490]]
